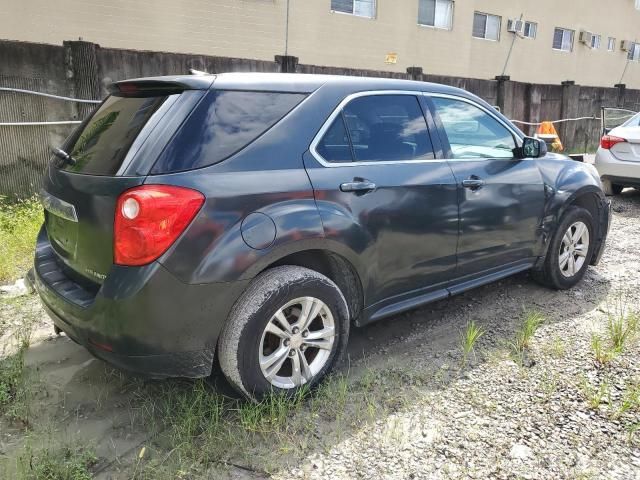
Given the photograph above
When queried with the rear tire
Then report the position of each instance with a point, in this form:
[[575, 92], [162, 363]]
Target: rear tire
[[570, 250], [286, 332]]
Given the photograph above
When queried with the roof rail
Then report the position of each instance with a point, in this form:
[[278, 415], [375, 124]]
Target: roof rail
[[193, 71]]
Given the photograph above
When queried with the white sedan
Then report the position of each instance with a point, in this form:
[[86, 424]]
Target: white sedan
[[618, 157]]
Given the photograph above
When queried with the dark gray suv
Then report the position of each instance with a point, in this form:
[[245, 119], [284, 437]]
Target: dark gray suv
[[255, 217]]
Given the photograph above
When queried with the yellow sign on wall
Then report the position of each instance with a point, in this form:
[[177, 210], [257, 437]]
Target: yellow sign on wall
[[391, 58]]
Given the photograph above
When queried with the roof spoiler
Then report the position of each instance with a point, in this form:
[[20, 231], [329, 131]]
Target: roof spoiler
[[161, 85]]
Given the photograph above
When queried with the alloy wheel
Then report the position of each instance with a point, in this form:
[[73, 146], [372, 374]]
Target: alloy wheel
[[297, 342], [573, 249]]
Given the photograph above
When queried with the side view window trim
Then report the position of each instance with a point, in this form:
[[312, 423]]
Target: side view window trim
[[516, 135], [339, 111]]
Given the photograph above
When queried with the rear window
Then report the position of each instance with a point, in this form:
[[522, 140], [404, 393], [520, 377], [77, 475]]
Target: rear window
[[101, 144], [223, 124], [633, 121]]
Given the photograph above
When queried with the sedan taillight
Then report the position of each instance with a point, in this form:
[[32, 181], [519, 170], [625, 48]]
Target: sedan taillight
[[609, 141], [149, 219]]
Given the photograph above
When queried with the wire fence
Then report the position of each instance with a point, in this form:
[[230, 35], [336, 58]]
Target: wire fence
[[30, 164]]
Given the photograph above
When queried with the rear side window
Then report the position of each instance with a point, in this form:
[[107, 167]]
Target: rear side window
[[100, 146], [224, 123], [335, 146], [379, 128]]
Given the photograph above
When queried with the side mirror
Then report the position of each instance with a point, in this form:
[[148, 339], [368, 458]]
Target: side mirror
[[532, 148]]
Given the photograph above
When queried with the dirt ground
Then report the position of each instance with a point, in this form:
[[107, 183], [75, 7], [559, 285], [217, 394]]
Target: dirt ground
[[411, 410]]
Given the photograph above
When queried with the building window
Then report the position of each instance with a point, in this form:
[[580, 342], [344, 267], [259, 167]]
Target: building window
[[436, 13], [360, 8], [595, 41], [530, 29], [563, 39], [486, 26], [634, 52], [611, 45]]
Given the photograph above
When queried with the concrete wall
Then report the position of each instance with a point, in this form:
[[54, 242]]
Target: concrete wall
[[257, 29], [83, 70]]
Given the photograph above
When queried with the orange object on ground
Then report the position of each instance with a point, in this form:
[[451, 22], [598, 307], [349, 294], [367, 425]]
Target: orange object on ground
[[547, 130]]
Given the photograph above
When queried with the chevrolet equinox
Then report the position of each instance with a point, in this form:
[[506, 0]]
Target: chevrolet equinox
[[256, 217]]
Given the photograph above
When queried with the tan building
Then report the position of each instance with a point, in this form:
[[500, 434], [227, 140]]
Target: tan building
[[588, 41]]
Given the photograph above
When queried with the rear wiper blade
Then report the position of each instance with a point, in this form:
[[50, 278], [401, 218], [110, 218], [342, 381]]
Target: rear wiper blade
[[64, 156]]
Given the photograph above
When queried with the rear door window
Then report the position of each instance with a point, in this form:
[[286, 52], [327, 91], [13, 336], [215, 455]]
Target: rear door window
[[101, 144], [387, 128], [224, 123]]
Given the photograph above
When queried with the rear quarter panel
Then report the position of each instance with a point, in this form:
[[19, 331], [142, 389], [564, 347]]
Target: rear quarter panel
[[266, 177]]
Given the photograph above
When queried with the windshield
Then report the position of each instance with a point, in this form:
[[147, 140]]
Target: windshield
[[100, 145]]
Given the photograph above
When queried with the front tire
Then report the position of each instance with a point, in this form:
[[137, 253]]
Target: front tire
[[570, 250], [286, 332]]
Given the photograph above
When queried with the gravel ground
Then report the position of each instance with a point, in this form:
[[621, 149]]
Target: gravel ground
[[498, 419], [411, 411]]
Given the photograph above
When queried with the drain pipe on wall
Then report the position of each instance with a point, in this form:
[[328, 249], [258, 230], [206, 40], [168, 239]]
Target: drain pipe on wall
[[513, 41]]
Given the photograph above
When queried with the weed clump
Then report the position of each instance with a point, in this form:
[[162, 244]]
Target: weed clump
[[19, 226]]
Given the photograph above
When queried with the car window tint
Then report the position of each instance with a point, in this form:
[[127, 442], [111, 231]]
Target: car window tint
[[225, 122], [334, 146], [101, 145], [472, 132], [388, 128]]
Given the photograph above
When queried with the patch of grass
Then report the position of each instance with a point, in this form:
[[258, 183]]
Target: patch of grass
[[67, 463], [524, 335], [19, 226], [621, 328], [632, 432], [595, 395], [548, 386], [185, 414], [602, 353], [630, 400], [331, 396], [468, 339], [272, 414], [195, 428], [11, 377], [196, 432], [558, 347], [14, 385]]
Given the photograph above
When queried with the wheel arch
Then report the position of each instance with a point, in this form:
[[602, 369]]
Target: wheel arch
[[332, 265], [589, 197]]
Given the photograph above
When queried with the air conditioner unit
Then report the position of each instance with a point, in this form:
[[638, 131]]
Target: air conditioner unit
[[625, 45], [586, 37], [515, 26]]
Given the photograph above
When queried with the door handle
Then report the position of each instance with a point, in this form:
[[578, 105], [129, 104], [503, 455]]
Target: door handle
[[473, 182], [358, 186]]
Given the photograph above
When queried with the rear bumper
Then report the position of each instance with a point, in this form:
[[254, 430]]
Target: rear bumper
[[182, 364], [617, 171], [141, 319]]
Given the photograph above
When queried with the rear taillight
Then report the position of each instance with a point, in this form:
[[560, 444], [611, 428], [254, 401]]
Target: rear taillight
[[609, 141], [149, 219]]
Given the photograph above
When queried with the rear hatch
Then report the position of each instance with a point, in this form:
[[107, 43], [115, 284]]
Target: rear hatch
[[111, 151]]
